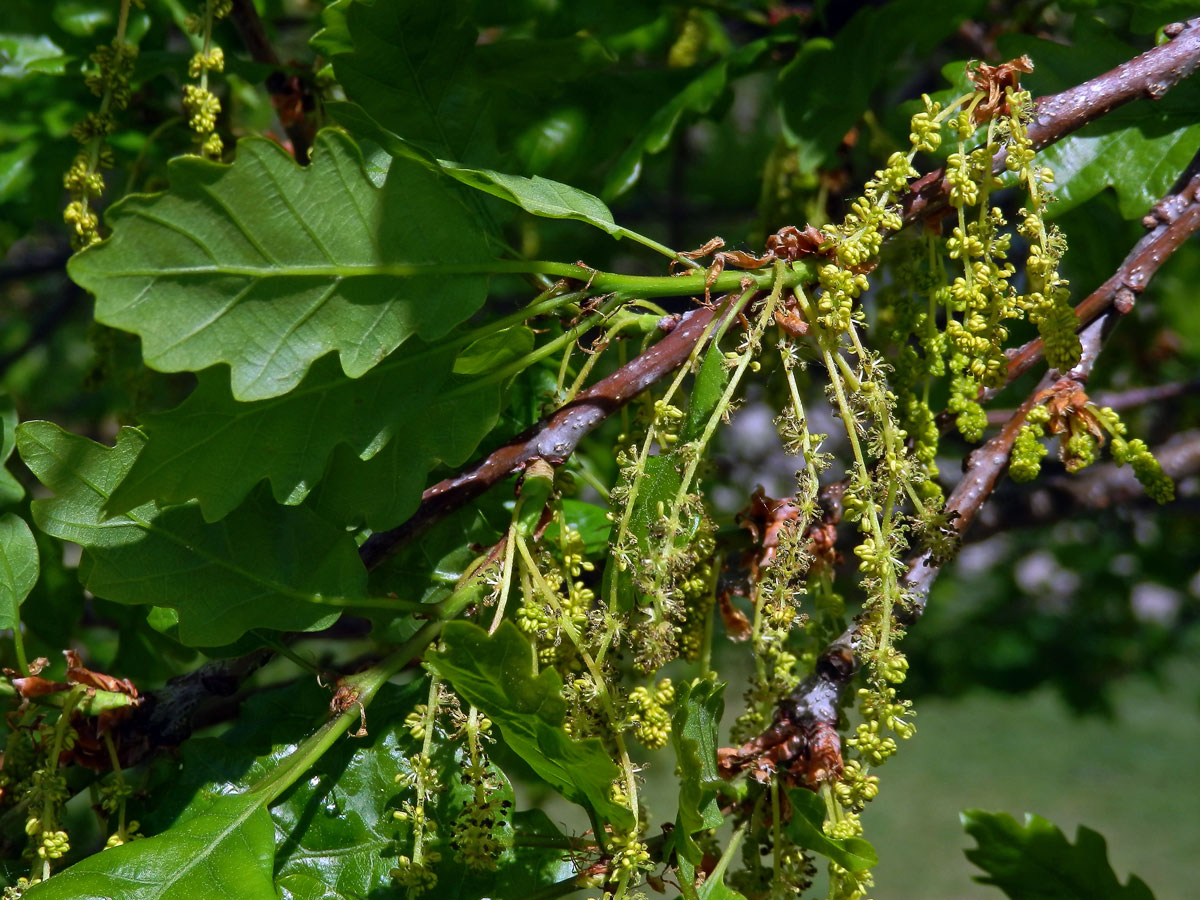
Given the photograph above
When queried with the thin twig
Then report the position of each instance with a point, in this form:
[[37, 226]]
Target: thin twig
[[1148, 76], [1119, 400], [1176, 218], [555, 437]]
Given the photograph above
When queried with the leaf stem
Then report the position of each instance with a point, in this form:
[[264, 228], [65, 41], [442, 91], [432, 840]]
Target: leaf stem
[[19, 649], [548, 349], [735, 841], [505, 574], [777, 273], [366, 685]]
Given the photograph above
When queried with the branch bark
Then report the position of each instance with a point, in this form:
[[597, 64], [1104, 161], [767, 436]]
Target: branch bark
[[250, 29], [1118, 400], [1174, 219], [1148, 76], [806, 720], [1100, 486]]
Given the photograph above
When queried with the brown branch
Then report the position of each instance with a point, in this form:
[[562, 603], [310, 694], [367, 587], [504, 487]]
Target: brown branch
[[805, 723], [555, 437], [1175, 218], [166, 715], [287, 91], [986, 464], [1100, 486], [1148, 76], [1118, 400]]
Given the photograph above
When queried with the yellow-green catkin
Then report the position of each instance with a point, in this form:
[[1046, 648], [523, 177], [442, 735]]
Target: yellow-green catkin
[[199, 103], [108, 79]]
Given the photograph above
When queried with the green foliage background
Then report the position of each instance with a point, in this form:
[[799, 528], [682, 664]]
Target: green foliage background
[[279, 359]]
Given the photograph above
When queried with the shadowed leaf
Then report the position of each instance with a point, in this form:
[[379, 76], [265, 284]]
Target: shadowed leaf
[[263, 567]]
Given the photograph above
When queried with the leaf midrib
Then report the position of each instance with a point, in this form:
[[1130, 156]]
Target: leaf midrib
[[210, 848], [150, 527], [392, 270]]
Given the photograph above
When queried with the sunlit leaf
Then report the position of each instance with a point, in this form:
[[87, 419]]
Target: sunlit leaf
[[710, 385], [225, 852], [1035, 861], [698, 708], [268, 266], [335, 833], [806, 828], [1138, 150], [21, 54]]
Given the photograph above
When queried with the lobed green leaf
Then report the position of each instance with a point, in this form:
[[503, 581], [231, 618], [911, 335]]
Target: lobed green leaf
[[336, 836], [262, 567], [10, 489], [711, 381], [384, 490], [268, 266], [806, 829], [215, 449], [225, 851], [1035, 861], [694, 735]]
